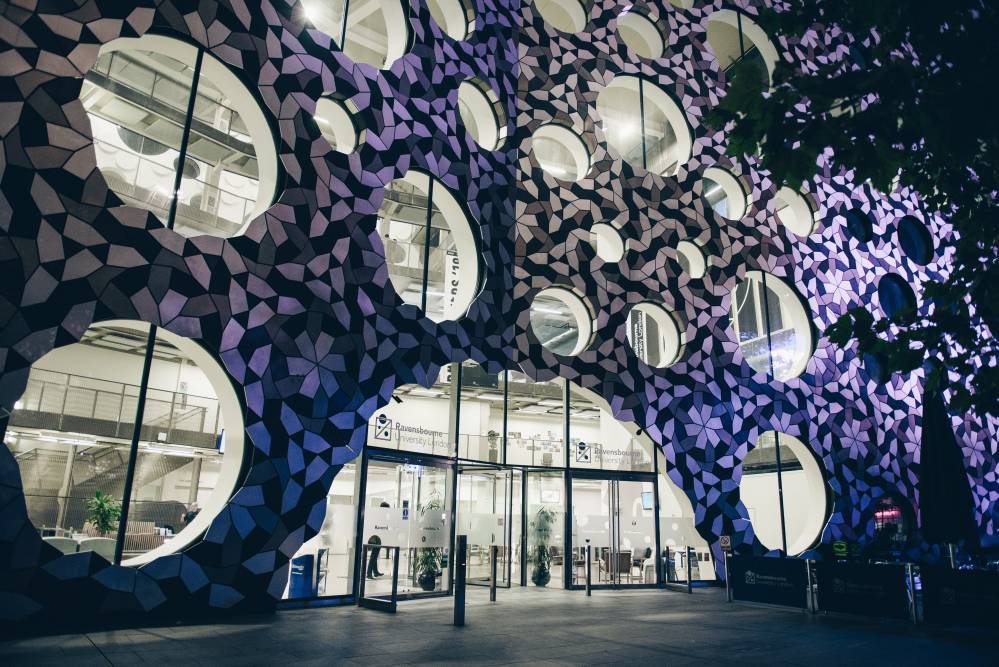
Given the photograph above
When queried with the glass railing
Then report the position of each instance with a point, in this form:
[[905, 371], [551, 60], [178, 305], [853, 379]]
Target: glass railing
[[84, 405], [155, 88], [147, 183]]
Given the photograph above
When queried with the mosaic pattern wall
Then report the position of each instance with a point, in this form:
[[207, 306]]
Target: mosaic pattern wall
[[301, 314]]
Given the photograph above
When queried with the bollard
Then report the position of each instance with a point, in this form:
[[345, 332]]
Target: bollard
[[810, 579], [728, 586], [461, 560], [589, 569], [493, 557], [690, 586]]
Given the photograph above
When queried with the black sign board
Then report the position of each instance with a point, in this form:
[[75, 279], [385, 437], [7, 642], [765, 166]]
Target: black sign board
[[960, 597], [782, 581], [869, 590]]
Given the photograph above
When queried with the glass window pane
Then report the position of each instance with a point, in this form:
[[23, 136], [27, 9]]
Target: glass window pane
[[545, 528], [535, 422], [407, 506], [137, 101], [418, 419], [480, 420]]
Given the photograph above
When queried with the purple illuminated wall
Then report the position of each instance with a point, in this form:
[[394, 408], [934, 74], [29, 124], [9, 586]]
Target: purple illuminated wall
[[300, 312]]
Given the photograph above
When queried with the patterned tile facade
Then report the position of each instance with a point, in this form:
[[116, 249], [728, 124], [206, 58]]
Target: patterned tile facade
[[300, 312]]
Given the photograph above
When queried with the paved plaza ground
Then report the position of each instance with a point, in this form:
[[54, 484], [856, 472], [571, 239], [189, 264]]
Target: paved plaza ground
[[646, 627]]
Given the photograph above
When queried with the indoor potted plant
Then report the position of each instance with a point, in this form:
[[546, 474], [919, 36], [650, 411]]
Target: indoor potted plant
[[541, 530], [103, 513], [429, 560], [493, 438]]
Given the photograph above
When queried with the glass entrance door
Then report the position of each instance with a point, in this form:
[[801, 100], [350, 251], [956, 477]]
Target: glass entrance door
[[407, 505], [616, 517], [484, 509]]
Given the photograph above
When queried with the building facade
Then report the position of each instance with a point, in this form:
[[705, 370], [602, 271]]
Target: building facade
[[279, 276]]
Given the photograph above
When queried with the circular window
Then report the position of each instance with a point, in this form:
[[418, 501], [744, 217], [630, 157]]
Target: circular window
[[607, 242], [561, 152], [771, 325], [724, 193], [561, 321], [896, 297], [653, 334], [137, 98], [644, 125], [430, 246], [71, 435], [337, 124], [794, 211], [641, 35], [803, 486], [915, 240], [481, 113], [859, 225], [691, 259], [564, 15], [734, 38], [374, 32], [455, 17]]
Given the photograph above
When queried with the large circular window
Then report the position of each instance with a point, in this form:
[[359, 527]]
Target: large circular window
[[561, 321], [915, 240], [794, 211], [430, 246], [771, 325], [644, 125], [560, 152], [71, 435], [374, 32], [641, 34], [336, 121], [782, 462], [564, 15], [896, 297], [481, 113], [455, 17], [653, 334], [724, 193], [138, 95], [734, 38]]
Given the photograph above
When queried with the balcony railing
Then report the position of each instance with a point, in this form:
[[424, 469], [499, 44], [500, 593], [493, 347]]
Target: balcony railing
[[102, 408], [147, 184]]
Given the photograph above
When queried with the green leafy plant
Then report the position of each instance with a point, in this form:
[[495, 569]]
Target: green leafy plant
[[541, 531], [103, 513], [902, 105], [429, 560]]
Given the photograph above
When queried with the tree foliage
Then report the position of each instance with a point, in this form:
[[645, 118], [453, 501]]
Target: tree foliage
[[910, 98]]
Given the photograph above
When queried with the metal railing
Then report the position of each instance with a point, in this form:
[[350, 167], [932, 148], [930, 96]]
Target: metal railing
[[145, 183], [156, 89], [81, 404]]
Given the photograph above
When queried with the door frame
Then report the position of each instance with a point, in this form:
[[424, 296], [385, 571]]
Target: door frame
[[402, 458], [507, 517], [614, 476]]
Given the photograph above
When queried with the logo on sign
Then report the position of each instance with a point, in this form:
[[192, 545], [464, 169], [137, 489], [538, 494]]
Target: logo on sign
[[750, 577], [383, 428], [838, 585], [725, 542], [583, 452]]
